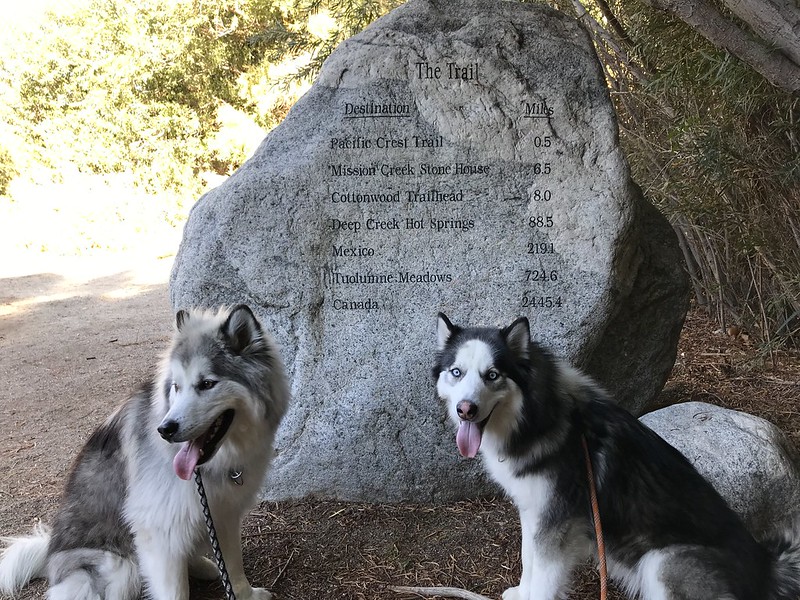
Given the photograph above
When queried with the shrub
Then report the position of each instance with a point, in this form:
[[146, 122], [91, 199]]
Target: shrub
[[717, 148]]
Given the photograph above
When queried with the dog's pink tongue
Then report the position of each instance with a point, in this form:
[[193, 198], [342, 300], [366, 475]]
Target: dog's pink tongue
[[468, 439], [186, 460]]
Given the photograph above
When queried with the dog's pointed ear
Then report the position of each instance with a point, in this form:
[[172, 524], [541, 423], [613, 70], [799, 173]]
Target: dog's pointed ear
[[180, 318], [444, 330], [241, 329], [518, 336]]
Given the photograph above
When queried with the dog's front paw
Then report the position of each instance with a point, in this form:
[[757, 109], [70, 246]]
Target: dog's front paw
[[514, 593], [255, 594]]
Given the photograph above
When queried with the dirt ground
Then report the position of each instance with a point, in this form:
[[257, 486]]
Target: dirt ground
[[77, 335]]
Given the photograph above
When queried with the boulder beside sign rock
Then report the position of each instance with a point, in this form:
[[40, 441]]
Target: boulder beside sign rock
[[460, 157], [748, 460]]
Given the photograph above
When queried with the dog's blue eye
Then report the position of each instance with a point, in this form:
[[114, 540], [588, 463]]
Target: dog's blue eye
[[455, 373], [207, 384], [492, 375]]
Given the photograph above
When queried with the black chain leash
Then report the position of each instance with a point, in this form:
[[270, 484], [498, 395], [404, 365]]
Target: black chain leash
[[212, 536]]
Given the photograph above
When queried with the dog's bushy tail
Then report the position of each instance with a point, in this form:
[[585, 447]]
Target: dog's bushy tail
[[23, 559], [785, 549]]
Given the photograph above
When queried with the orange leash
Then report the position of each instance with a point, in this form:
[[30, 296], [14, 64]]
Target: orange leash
[[598, 528]]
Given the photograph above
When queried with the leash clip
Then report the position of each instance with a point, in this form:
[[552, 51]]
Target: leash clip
[[236, 476]]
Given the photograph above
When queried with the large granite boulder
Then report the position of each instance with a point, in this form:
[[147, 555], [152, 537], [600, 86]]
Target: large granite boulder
[[460, 157], [749, 461]]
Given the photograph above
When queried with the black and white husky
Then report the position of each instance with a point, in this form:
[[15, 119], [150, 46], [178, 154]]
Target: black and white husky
[[130, 514], [668, 534]]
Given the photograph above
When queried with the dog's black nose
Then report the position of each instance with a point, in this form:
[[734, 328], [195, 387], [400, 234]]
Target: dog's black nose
[[467, 410], [168, 429]]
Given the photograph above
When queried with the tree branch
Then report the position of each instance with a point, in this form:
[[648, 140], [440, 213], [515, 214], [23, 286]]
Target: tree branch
[[594, 27], [447, 592], [613, 22], [777, 21], [774, 66]]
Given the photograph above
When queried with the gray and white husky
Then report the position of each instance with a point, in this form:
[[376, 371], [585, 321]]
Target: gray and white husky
[[668, 534], [130, 516]]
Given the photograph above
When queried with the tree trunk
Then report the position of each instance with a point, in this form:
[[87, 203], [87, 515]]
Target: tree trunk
[[775, 19]]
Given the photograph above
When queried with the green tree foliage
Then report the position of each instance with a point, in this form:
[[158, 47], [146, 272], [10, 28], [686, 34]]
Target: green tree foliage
[[8, 170], [141, 87], [119, 86], [291, 36]]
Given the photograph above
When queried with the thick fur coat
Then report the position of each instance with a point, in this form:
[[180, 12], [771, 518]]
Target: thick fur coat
[[130, 517], [668, 534]]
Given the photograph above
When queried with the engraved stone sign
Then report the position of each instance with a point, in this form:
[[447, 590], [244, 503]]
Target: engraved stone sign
[[460, 157]]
